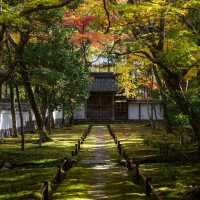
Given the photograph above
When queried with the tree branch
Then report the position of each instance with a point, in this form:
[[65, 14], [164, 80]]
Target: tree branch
[[108, 16], [146, 54], [162, 32], [41, 7], [6, 75], [3, 28]]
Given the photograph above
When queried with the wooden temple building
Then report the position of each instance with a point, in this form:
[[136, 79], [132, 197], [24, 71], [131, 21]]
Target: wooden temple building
[[105, 103]]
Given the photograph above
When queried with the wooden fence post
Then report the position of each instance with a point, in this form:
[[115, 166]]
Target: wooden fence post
[[119, 147], [148, 189], [76, 149], [45, 191], [58, 174], [137, 172], [79, 145], [129, 164]]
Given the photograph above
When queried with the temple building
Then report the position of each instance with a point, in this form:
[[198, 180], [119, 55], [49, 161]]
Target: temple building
[[106, 104]]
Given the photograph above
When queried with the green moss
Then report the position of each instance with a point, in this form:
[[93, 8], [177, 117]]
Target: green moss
[[36, 164], [92, 179], [170, 180]]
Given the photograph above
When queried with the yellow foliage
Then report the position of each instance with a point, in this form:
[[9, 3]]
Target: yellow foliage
[[125, 79], [16, 37], [191, 73]]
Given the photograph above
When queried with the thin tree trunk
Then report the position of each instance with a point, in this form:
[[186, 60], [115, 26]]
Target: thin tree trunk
[[52, 120], [70, 120], [49, 119], [44, 104], [168, 125], [13, 113], [31, 124], [21, 119], [0, 92], [63, 116], [49, 122], [172, 84], [43, 136]]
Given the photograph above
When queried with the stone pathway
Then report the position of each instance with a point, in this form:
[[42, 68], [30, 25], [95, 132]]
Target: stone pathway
[[98, 174]]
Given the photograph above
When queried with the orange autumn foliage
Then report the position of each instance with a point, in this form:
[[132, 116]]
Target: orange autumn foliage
[[96, 39], [80, 23]]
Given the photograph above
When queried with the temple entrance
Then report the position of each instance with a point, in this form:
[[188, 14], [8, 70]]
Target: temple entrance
[[100, 106]]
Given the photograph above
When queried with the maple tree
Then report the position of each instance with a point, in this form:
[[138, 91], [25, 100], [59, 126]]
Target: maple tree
[[163, 32], [83, 37], [154, 31]]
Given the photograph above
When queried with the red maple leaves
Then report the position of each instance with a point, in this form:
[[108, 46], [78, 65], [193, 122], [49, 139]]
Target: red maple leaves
[[83, 35], [96, 39], [80, 23]]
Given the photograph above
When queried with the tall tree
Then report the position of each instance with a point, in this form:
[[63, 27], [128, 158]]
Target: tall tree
[[13, 111]]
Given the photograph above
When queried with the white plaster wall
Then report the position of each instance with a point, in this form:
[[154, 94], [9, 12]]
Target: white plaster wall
[[57, 114], [25, 119], [79, 113], [159, 112], [6, 119], [146, 111], [133, 111]]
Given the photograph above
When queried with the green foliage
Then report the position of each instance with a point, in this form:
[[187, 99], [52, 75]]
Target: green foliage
[[182, 120], [169, 172], [56, 67]]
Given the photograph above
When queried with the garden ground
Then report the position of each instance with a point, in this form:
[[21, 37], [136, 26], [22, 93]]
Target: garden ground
[[36, 164], [172, 166], [98, 174]]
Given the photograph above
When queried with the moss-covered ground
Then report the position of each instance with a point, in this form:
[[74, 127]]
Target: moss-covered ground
[[170, 178], [36, 164], [98, 174]]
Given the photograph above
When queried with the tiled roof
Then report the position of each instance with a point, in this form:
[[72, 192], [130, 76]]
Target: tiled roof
[[103, 82]]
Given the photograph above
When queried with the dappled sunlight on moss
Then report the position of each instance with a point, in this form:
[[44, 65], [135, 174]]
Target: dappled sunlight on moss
[[36, 164], [170, 180]]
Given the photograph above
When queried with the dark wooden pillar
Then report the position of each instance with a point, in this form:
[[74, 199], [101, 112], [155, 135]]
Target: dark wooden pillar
[[139, 111], [113, 106], [85, 107]]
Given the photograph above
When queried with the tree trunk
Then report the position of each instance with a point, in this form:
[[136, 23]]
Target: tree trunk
[[21, 119], [31, 123], [13, 113], [44, 104], [50, 120], [70, 120], [0, 92], [168, 125], [43, 136], [71, 117], [172, 84], [63, 116], [163, 92], [195, 123]]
